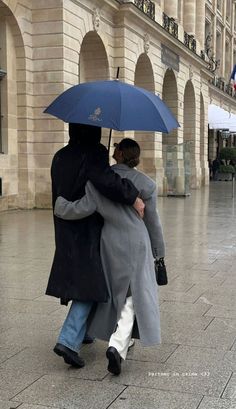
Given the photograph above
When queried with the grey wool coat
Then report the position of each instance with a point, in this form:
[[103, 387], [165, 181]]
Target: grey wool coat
[[128, 245]]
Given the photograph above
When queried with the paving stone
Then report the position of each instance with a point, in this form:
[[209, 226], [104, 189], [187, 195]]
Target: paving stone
[[30, 406], [28, 306], [230, 390], [7, 352], [20, 293], [145, 398], [14, 381], [9, 405], [172, 378], [178, 296], [230, 360], [221, 311], [183, 307], [211, 403], [158, 353], [18, 337], [197, 310], [194, 358], [69, 393], [179, 321], [44, 361], [30, 321], [217, 298]]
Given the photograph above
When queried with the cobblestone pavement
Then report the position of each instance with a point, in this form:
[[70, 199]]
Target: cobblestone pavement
[[194, 368]]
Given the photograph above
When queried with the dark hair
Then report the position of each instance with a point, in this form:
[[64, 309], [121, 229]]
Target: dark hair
[[131, 152], [84, 134]]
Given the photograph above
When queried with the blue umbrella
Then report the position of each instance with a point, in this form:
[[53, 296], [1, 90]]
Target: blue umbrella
[[115, 105]]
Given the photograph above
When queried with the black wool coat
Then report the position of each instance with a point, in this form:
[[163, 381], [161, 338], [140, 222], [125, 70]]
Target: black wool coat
[[76, 272]]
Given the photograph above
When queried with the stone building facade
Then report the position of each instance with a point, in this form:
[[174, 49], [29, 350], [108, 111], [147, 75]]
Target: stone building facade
[[46, 46]]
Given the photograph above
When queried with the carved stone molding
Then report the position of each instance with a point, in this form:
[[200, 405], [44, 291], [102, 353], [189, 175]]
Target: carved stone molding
[[96, 18], [190, 72], [146, 43]]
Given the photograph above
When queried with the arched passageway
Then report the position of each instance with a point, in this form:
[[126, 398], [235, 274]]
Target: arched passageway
[[144, 78], [93, 65], [203, 141], [170, 148], [14, 167], [189, 133], [93, 61], [170, 97]]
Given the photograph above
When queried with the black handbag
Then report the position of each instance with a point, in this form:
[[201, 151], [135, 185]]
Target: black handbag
[[160, 270]]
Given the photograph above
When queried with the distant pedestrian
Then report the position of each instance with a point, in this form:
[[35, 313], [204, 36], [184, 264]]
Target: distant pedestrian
[[210, 169], [215, 168]]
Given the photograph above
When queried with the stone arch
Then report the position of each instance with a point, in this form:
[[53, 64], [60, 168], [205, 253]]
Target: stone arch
[[170, 97], [15, 170], [203, 144], [93, 60], [171, 156], [189, 135], [144, 78], [189, 112], [202, 131], [94, 65]]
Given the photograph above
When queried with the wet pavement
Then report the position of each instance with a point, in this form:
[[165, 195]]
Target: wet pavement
[[193, 368]]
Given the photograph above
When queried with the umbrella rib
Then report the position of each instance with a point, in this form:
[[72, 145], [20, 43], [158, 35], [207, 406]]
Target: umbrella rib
[[150, 99]]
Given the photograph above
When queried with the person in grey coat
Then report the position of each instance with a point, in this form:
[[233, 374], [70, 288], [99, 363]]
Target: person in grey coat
[[128, 245]]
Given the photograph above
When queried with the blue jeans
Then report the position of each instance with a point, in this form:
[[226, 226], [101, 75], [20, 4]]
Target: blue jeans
[[74, 327]]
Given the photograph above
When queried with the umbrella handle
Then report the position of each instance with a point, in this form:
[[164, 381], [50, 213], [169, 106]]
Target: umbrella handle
[[109, 141]]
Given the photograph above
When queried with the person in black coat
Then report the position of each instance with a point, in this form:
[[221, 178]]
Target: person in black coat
[[76, 272], [215, 168]]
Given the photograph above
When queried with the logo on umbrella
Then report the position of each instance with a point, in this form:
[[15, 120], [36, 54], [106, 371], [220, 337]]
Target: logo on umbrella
[[95, 115]]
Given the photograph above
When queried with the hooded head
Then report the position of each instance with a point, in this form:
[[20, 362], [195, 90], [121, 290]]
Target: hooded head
[[84, 134]]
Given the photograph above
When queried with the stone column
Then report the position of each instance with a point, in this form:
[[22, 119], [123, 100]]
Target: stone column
[[171, 8], [190, 16], [200, 22], [180, 12], [223, 54], [232, 62]]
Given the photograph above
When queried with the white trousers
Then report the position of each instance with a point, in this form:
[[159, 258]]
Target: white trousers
[[120, 339]]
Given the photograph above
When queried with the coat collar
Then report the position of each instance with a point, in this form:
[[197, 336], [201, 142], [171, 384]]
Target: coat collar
[[121, 166]]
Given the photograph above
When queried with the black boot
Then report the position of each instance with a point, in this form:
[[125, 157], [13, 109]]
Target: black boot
[[70, 357], [114, 358]]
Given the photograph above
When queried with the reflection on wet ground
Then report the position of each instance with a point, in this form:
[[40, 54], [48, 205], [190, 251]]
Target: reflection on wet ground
[[194, 368]]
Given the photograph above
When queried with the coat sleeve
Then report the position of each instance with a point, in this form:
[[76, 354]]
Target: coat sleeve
[[107, 182], [76, 210], [153, 224]]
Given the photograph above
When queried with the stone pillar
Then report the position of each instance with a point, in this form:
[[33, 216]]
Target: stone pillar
[[200, 22], [214, 34], [189, 16], [232, 39], [223, 56], [171, 8], [180, 12]]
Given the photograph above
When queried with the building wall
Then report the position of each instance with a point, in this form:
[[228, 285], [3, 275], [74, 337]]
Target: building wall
[[49, 45]]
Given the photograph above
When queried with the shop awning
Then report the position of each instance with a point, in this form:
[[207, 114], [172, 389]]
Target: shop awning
[[218, 118]]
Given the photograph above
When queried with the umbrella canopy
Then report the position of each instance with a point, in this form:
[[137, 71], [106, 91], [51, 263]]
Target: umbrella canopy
[[115, 105]]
